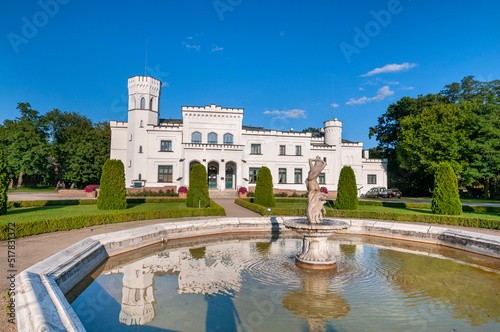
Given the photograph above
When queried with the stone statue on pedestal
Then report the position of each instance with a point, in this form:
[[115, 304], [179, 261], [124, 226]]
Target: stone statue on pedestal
[[315, 211]]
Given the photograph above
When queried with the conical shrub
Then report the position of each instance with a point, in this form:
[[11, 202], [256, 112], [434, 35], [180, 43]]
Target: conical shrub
[[4, 182], [347, 193], [197, 195], [445, 197], [264, 194], [112, 192]]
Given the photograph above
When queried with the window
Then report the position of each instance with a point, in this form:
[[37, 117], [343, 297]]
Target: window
[[282, 175], [151, 104], [298, 150], [141, 124], [321, 178], [140, 148], [252, 174], [298, 175], [165, 173], [143, 104], [228, 139], [282, 150], [166, 146], [255, 149], [372, 179], [212, 138], [196, 137], [140, 176]]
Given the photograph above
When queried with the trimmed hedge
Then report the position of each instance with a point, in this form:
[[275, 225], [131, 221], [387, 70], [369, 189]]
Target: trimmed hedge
[[4, 183], [197, 194], [264, 194], [347, 194], [41, 226], [112, 192], [21, 204], [445, 197], [394, 216], [468, 208]]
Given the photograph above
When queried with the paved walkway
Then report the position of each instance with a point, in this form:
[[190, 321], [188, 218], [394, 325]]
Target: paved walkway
[[233, 210]]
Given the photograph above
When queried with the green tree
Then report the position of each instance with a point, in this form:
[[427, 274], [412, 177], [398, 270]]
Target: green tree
[[25, 144], [112, 192], [311, 130], [197, 195], [347, 193], [264, 194], [445, 197], [4, 182]]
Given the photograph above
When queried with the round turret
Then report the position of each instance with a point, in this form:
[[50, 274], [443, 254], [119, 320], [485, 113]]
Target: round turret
[[333, 132]]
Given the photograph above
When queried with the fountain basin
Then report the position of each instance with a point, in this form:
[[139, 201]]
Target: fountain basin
[[40, 289]]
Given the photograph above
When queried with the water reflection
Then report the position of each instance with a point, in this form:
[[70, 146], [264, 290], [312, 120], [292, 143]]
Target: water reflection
[[315, 301]]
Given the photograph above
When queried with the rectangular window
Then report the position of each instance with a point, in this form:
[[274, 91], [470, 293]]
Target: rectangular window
[[252, 174], [166, 146], [372, 179], [321, 178], [282, 150], [165, 173], [298, 150], [282, 175], [298, 175], [255, 149]]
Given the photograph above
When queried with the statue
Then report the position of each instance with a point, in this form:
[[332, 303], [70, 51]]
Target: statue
[[315, 211]]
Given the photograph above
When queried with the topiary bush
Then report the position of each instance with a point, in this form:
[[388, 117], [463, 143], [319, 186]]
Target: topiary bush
[[347, 194], [4, 182], [264, 194], [112, 192], [445, 197], [197, 195]]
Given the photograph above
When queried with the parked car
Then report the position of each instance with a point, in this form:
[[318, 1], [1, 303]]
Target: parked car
[[394, 192], [377, 192]]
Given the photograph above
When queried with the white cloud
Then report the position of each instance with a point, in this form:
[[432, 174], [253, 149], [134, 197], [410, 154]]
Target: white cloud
[[217, 48], [165, 84], [334, 105], [406, 88], [390, 68], [391, 82], [190, 37], [292, 114], [282, 33], [189, 46], [382, 93], [361, 89]]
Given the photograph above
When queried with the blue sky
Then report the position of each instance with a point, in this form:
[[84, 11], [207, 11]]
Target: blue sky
[[276, 59]]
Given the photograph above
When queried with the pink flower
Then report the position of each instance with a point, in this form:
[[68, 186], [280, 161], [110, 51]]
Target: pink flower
[[242, 190], [183, 190]]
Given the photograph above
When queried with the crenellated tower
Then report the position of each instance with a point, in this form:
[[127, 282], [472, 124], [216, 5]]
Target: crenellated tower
[[333, 136]]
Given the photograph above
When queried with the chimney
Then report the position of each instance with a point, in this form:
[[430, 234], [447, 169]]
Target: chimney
[[366, 154]]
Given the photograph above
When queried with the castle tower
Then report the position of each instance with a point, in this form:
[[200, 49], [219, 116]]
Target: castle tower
[[143, 111], [333, 136]]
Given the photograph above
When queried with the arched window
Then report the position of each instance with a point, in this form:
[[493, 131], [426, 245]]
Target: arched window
[[140, 149], [141, 124], [196, 137], [140, 176], [143, 103], [212, 138], [151, 104], [228, 139]]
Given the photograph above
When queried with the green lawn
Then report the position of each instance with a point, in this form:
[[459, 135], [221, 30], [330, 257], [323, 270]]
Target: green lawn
[[32, 190], [302, 204], [471, 200], [58, 211]]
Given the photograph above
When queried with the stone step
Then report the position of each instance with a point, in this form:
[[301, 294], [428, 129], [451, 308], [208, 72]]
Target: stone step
[[228, 193]]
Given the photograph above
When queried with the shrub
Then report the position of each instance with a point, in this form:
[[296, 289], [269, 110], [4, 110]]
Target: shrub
[[264, 194], [445, 197], [347, 194], [146, 193], [183, 190], [112, 193], [4, 182], [197, 195], [242, 190]]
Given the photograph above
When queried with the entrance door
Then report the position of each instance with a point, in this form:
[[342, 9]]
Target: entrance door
[[229, 177], [212, 177]]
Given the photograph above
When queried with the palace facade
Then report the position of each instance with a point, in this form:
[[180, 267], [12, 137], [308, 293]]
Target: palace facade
[[160, 153]]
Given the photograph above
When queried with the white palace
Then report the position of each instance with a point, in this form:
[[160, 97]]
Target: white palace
[[159, 153]]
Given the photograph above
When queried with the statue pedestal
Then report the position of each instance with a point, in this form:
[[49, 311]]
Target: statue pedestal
[[315, 253]]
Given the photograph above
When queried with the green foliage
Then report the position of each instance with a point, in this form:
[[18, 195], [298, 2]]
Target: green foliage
[[65, 202], [35, 227], [197, 195], [112, 192], [4, 182], [264, 188], [445, 198], [311, 130], [347, 194]]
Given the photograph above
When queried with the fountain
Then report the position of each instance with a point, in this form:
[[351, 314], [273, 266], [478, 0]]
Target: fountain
[[315, 229]]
